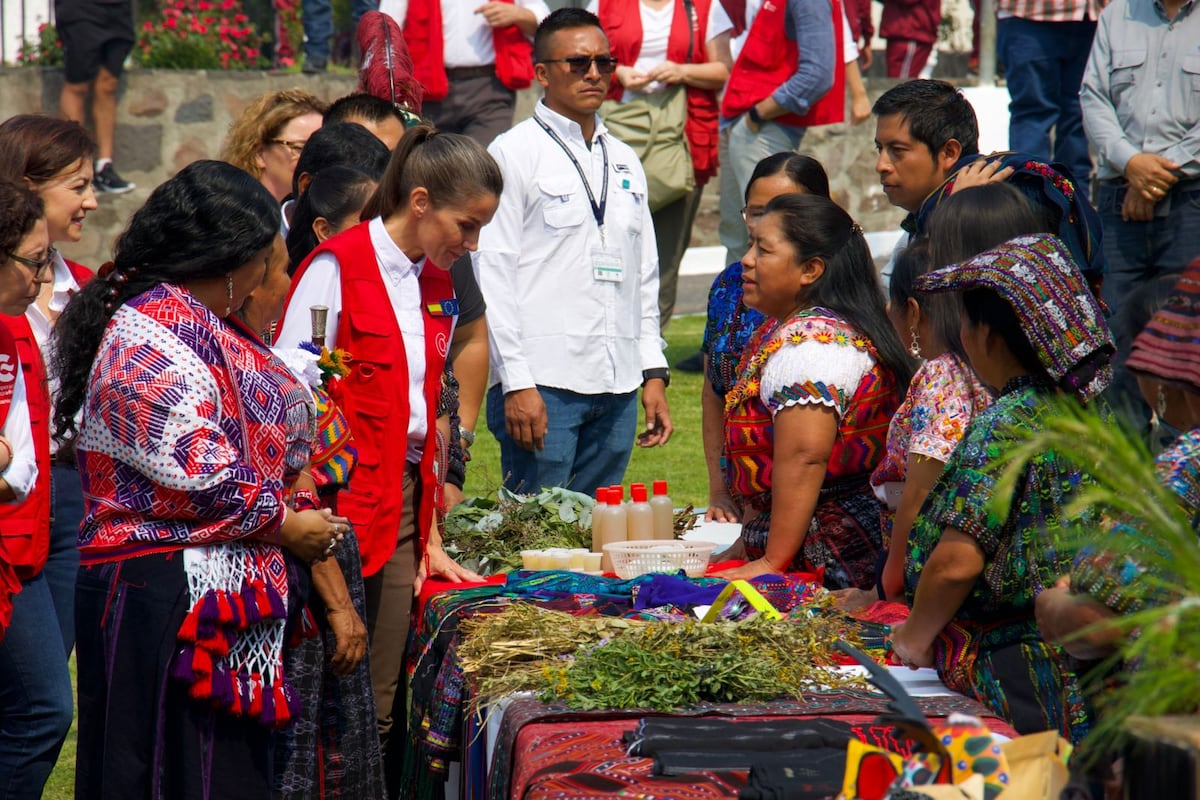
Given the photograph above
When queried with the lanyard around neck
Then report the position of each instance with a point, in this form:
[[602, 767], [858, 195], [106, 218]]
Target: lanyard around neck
[[597, 208]]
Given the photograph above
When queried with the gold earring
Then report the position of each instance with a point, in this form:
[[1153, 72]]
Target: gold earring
[[228, 294], [1160, 405]]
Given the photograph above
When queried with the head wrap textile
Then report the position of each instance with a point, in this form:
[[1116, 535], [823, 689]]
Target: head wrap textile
[[1169, 346], [1037, 276]]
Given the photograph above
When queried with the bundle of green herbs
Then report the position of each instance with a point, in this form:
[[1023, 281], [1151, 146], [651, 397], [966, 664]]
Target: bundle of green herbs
[[598, 662], [488, 535]]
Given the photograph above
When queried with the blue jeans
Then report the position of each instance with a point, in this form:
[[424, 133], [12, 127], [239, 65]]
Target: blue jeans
[[317, 18], [1137, 253], [62, 566], [589, 438], [1044, 64], [35, 694], [740, 150]]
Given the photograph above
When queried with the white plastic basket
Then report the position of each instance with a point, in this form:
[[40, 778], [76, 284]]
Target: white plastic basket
[[631, 559]]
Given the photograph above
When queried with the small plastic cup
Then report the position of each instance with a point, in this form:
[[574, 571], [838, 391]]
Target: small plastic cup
[[577, 557], [591, 561], [531, 559], [558, 558]]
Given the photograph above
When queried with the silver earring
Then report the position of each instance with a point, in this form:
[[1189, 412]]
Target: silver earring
[[1160, 404], [914, 348], [228, 295]]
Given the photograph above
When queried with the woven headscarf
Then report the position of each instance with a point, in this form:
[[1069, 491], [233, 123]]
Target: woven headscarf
[[1169, 346], [1038, 277]]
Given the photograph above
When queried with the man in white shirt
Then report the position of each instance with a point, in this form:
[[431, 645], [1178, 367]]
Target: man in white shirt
[[569, 269], [470, 56]]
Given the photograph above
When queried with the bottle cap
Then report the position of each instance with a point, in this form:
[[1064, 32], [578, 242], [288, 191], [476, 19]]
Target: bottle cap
[[602, 496], [616, 495], [638, 492], [660, 487]]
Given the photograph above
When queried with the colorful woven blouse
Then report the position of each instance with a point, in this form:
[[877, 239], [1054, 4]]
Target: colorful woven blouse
[[183, 446], [1021, 559], [943, 397], [1121, 583], [813, 358], [728, 329]]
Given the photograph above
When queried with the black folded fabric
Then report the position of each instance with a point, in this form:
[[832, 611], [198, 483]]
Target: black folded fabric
[[811, 775], [682, 762], [700, 735]]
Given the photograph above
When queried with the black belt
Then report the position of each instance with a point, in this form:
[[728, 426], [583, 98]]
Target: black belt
[[63, 459], [467, 73]]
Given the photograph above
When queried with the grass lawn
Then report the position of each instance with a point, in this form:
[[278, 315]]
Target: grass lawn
[[681, 462]]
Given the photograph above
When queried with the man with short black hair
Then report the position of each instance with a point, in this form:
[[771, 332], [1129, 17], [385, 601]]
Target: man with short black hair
[[97, 36], [385, 120], [569, 269]]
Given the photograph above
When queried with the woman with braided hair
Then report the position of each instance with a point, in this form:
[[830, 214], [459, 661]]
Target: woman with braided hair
[[190, 560]]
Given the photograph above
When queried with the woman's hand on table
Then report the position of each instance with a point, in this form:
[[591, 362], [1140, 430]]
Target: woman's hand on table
[[853, 599], [313, 535], [350, 639], [759, 566], [438, 563], [721, 507], [911, 654]]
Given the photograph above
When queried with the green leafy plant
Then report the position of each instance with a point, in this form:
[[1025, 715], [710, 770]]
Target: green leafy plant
[[488, 535], [45, 51], [1159, 659], [199, 34]]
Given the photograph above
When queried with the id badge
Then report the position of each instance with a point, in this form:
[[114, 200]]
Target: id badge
[[607, 266]]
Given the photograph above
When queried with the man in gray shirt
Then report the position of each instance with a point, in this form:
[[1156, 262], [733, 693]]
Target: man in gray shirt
[[1141, 111]]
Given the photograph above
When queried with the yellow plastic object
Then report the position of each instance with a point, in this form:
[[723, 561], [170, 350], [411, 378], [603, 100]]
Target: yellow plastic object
[[756, 600]]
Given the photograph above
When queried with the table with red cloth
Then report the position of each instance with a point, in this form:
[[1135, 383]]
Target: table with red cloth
[[564, 752]]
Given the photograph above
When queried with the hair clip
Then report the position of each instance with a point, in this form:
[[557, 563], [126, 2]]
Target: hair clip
[[105, 270], [856, 228]]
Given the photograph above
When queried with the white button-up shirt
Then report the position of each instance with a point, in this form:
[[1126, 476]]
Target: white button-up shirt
[[21, 472], [65, 285], [321, 286], [550, 321], [466, 37]]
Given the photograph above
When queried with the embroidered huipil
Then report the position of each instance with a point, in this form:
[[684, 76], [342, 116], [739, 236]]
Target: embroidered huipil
[[182, 446], [943, 397], [813, 358]]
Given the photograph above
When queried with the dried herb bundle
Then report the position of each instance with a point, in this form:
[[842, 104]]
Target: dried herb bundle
[[509, 651], [669, 665], [605, 662]]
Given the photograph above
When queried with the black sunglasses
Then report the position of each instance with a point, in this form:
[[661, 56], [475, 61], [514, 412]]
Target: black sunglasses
[[581, 65]]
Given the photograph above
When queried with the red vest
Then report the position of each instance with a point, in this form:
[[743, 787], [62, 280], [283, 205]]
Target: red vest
[[374, 396], [768, 59], [622, 21], [25, 526], [423, 35]]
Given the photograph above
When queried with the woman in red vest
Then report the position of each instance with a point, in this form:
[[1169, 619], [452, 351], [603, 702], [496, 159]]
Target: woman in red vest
[[391, 306], [662, 44], [53, 157]]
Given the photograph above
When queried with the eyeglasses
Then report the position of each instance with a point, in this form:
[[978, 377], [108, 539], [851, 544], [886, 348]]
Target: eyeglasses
[[38, 267], [582, 65], [752, 214], [292, 145]]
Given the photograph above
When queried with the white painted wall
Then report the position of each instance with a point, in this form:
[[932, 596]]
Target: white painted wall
[[20, 18]]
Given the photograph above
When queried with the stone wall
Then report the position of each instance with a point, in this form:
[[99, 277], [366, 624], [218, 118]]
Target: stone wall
[[167, 119]]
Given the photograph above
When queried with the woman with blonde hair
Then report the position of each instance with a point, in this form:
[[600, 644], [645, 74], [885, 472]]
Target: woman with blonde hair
[[267, 138]]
